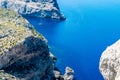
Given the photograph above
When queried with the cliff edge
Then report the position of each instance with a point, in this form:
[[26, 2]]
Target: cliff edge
[[110, 62], [24, 53], [36, 8]]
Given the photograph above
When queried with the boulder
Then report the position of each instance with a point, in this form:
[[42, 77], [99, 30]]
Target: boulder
[[69, 74], [35, 8]]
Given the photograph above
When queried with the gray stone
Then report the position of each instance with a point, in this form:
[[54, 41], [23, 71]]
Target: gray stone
[[36, 8], [110, 62], [57, 74], [69, 74]]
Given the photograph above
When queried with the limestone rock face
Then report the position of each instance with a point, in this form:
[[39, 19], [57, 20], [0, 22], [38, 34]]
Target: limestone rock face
[[37, 8], [110, 62], [24, 54]]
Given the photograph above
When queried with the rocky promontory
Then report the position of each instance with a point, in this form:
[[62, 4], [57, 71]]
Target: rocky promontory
[[24, 53], [36, 8], [110, 62]]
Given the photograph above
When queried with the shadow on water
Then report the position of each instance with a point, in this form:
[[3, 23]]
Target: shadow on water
[[49, 28], [41, 24]]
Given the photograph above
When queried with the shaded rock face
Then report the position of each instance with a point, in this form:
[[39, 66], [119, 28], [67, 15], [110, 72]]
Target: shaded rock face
[[36, 8], [24, 54], [28, 60], [110, 62]]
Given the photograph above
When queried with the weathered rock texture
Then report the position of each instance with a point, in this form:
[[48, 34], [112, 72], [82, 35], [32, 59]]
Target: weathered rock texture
[[69, 74], [37, 8], [110, 62], [24, 53]]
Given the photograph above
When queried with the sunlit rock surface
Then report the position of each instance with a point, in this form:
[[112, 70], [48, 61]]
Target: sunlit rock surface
[[110, 62], [69, 74], [36, 8]]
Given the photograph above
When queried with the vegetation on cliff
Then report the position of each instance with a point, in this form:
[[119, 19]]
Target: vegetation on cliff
[[24, 53]]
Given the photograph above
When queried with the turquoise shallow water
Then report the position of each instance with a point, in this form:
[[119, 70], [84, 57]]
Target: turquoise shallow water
[[78, 42]]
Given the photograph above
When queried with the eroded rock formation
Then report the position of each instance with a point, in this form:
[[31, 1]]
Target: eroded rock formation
[[36, 8], [24, 53], [69, 74]]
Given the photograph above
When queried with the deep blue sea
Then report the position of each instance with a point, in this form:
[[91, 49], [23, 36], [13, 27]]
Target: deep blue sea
[[79, 41]]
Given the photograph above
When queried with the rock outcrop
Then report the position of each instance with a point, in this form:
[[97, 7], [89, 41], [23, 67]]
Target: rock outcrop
[[24, 53], [36, 8], [110, 62], [69, 74]]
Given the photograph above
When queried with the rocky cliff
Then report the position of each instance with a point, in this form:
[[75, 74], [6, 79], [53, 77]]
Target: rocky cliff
[[110, 62], [24, 53], [36, 8]]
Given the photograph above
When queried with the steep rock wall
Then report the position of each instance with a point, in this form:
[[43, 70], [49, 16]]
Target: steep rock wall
[[36, 8]]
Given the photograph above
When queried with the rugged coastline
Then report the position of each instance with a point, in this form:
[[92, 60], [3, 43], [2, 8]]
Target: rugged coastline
[[35, 8], [24, 52]]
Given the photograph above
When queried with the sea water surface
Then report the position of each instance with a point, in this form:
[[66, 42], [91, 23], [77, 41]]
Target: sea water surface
[[78, 42]]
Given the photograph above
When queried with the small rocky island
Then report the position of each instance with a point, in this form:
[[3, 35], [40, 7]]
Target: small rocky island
[[110, 62], [35, 8], [24, 53]]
